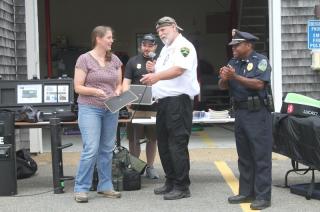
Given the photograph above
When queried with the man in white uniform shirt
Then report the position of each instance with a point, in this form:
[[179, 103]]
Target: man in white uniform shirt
[[174, 80]]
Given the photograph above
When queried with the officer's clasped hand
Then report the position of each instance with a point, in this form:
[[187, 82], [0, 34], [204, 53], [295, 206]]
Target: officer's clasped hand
[[231, 72], [227, 72], [222, 73]]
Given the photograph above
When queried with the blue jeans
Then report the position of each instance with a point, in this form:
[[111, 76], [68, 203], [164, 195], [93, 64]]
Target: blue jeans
[[98, 131]]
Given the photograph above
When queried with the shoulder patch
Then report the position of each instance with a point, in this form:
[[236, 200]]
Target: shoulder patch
[[263, 64], [185, 51]]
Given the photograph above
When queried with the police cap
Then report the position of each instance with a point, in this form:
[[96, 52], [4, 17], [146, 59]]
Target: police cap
[[238, 37]]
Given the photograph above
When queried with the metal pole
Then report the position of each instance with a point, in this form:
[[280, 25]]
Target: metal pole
[[55, 130]]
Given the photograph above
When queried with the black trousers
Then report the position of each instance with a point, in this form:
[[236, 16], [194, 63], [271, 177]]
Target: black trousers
[[174, 122], [253, 132]]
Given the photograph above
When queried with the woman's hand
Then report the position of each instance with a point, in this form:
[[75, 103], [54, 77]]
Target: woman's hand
[[118, 91], [100, 93]]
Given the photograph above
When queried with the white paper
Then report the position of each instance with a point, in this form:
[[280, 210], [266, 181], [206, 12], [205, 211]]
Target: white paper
[[29, 94], [50, 94], [63, 93]]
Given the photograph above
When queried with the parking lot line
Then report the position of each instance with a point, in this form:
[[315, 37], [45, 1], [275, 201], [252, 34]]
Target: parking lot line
[[231, 180], [206, 139]]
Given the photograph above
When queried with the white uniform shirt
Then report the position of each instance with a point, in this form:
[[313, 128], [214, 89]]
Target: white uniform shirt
[[180, 53]]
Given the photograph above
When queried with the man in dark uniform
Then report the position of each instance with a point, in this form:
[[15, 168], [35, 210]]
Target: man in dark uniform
[[247, 76], [135, 68]]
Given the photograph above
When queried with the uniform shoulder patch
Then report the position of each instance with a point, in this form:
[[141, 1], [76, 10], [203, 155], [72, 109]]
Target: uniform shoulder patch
[[185, 51], [263, 64]]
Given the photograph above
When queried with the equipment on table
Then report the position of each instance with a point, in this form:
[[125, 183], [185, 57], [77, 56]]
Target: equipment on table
[[300, 105]]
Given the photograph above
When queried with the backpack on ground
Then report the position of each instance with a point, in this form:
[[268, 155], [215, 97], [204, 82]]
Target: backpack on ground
[[126, 171], [26, 166]]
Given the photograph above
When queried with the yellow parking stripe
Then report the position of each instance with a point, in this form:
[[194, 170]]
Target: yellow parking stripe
[[206, 139], [231, 180]]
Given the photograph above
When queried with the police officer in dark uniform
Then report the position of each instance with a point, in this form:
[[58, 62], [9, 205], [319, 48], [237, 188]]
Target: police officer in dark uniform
[[247, 76]]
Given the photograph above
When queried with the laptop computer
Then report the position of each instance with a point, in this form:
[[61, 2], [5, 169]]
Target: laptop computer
[[115, 103], [144, 94]]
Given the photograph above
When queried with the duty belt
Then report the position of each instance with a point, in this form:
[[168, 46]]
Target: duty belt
[[254, 103], [162, 100], [240, 105]]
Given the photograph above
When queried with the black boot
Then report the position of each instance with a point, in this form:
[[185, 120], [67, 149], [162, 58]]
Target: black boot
[[163, 190], [177, 194], [239, 199], [260, 204]]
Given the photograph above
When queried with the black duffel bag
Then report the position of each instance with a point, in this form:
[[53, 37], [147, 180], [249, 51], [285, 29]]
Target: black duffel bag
[[26, 166], [131, 180]]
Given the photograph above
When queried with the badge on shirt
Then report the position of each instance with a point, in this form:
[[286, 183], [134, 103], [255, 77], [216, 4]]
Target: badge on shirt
[[263, 64], [185, 51], [138, 66], [249, 66]]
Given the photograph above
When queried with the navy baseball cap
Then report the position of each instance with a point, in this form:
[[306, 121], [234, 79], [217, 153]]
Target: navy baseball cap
[[149, 38], [238, 37]]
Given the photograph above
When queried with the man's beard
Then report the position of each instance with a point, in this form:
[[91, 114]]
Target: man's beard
[[165, 41]]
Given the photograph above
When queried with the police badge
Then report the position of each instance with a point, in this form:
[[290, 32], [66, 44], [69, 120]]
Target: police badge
[[249, 67]]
